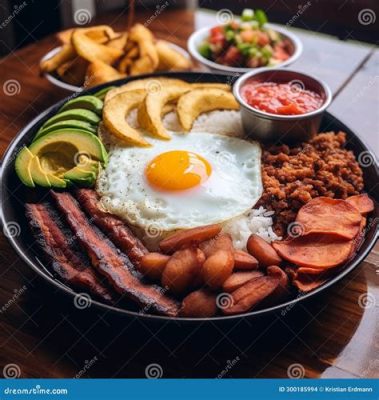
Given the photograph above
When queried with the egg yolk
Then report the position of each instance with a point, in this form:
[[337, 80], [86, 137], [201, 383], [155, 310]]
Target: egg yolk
[[177, 170]]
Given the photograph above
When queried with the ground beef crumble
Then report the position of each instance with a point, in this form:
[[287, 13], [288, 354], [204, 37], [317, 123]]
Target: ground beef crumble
[[294, 175]]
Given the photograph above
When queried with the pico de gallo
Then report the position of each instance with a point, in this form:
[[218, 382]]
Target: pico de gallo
[[245, 43]]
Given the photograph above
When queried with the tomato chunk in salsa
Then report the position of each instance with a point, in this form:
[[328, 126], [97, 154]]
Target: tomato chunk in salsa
[[281, 98]]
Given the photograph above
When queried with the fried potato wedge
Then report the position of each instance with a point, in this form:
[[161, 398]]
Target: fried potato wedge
[[99, 72], [169, 58], [126, 62], [99, 33], [65, 36], [66, 53], [198, 101], [151, 109], [114, 116], [74, 71], [92, 51], [119, 42], [149, 84], [148, 60]]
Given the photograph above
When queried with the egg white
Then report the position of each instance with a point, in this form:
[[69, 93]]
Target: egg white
[[234, 186]]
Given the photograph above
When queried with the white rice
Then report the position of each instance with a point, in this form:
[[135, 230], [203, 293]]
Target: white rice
[[256, 221]]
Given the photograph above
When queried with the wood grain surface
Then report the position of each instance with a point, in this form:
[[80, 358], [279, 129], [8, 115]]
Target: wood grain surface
[[45, 335]]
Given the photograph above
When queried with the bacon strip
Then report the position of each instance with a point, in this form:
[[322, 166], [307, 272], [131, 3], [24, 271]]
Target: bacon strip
[[66, 262], [112, 226], [116, 267]]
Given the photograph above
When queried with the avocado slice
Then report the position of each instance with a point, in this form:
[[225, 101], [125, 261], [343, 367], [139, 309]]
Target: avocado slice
[[91, 103], [102, 92], [78, 173], [88, 183], [38, 175], [22, 166], [56, 182], [77, 114], [70, 123], [59, 149]]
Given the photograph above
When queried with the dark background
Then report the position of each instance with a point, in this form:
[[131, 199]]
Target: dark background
[[41, 17]]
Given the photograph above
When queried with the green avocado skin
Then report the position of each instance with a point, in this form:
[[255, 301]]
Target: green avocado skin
[[71, 123], [22, 167], [76, 114], [91, 103]]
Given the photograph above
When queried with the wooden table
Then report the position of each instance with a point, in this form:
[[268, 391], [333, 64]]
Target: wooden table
[[332, 337]]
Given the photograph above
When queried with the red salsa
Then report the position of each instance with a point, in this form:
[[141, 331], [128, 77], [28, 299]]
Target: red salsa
[[281, 98]]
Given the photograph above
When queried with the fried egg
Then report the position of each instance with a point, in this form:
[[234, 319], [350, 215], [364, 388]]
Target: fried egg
[[191, 180]]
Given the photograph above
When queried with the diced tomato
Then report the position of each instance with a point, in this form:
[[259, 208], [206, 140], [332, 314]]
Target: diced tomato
[[233, 56], [217, 30], [217, 36], [289, 109], [280, 53], [263, 39]]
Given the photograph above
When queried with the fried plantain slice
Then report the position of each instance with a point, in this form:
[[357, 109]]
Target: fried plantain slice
[[114, 116], [148, 84], [151, 109], [64, 55], [198, 101]]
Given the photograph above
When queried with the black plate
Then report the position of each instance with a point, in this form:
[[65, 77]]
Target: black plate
[[13, 195]]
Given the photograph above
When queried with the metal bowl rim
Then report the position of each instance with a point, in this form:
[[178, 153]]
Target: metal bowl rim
[[298, 117]]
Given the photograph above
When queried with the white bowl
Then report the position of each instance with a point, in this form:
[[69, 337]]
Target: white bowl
[[200, 35], [72, 88]]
